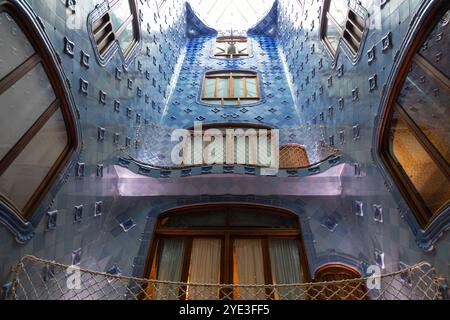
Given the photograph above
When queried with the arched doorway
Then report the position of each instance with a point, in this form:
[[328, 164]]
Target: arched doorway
[[227, 244], [338, 272]]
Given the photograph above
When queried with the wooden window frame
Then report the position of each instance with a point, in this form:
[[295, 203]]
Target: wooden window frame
[[418, 206], [227, 39], [227, 235], [132, 19], [344, 33], [42, 57], [220, 75]]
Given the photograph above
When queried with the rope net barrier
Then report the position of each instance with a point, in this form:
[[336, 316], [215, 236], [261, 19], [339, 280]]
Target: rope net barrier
[[39, 279]]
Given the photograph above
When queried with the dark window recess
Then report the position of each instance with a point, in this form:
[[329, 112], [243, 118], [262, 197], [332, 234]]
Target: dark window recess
[[103, 33], [354, 31]]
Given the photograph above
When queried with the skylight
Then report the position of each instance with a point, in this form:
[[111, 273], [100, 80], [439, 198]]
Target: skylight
[[224, 15]]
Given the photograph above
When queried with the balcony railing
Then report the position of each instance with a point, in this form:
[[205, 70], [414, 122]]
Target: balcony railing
[[38, 279], [296, 148]]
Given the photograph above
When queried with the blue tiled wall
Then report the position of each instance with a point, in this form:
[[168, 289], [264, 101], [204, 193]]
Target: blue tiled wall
[[332, 230], [319, 87], [142, 88]]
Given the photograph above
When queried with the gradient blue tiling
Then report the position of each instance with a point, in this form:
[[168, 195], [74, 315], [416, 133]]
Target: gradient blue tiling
[[264, 60]]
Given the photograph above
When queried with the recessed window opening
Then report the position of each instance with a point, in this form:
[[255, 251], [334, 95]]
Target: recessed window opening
[[232, 87], [119, 24], [231, 47], [227, 244]]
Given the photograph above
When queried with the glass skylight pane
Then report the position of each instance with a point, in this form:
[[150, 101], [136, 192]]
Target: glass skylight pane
[[239, 15]]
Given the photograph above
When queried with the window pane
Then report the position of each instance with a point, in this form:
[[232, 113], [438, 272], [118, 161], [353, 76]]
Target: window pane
[[429, 110], [120, 13], [126, 38], [15, 46], [170, 267], [252, 91], [223, 88], [339, 11], [239, 88], [221, 48], [429, 181], [25, 175], [248, 269], [438, 46], [332, 34], [204, 268], [210, 89], [242, 47], [21, 105], [285, 263]]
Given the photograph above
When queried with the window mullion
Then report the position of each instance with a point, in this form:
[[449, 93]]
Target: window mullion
[[245, 87], [267, 265], [186, 267], [231, 87], [432, 71], [216, 93], [19, 72], [28, 136]]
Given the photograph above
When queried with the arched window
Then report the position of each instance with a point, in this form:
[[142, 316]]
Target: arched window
[[37, 134], [347, 291], [232, 87], [415, 139], [227, 244], [231, 47]]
